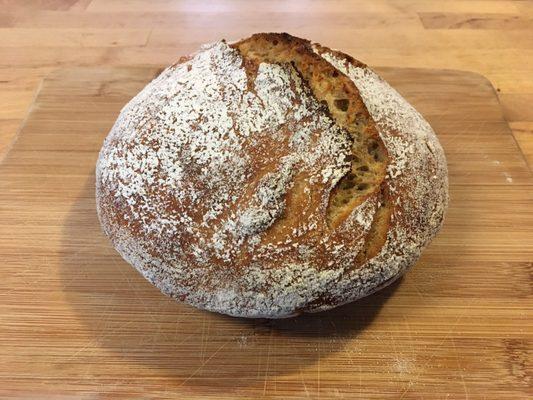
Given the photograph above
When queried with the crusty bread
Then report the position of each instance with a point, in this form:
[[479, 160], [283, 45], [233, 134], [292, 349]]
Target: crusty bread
[[270, 177], [368, 157]]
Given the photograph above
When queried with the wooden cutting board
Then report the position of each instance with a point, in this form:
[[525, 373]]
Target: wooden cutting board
[[76, 321]]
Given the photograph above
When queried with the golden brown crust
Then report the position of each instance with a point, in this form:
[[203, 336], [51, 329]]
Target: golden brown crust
[[261, 179], [346, 108]]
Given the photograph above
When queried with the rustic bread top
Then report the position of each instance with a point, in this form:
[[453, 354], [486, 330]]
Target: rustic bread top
[[270, 177]]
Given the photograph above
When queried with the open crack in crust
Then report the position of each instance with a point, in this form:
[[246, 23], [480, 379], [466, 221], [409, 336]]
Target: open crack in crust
[[251, 179], [368, 156]]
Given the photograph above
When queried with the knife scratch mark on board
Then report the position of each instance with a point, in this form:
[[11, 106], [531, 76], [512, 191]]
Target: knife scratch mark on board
[[134, 289], [318, 371], [203, 339], [93, 342], [431, 357], [417, 290], [459, 367], [410, 333], [203, 364], [268, 362], [303, 383], [360, 382]]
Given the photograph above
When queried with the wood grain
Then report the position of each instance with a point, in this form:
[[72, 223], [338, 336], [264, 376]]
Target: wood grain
[[78, 322], [523, 132], [475, 21], [491, 37]]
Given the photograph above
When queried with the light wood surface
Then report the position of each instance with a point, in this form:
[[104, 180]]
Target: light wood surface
[[77, 322], [490, 37]]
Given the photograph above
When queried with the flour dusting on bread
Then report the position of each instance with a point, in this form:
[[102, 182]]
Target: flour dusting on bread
[[216, 183]]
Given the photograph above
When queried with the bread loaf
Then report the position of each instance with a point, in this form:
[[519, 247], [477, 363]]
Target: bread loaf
[[270, 177]]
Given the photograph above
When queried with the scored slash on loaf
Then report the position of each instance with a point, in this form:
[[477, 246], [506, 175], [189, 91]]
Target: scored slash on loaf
[[270, 177]]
